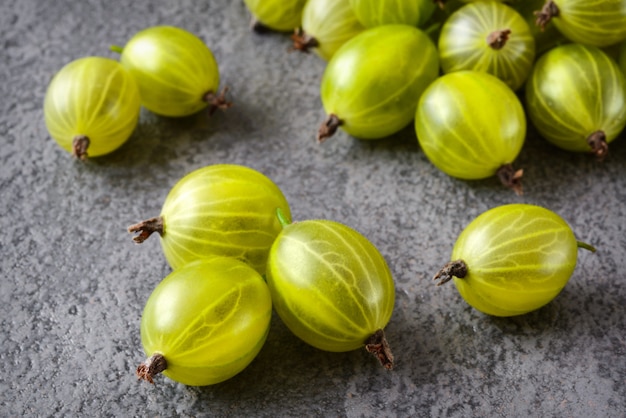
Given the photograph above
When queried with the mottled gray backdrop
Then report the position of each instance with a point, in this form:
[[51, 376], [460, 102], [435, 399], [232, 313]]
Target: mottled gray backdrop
[[73, 284]]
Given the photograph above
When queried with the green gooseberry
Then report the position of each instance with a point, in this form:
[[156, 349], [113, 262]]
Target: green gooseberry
[[205, 322], [218, 210], [372, 84], [331, 287], [512, 259]]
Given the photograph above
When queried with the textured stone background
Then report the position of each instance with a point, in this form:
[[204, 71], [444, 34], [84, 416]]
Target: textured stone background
[[73, 284]]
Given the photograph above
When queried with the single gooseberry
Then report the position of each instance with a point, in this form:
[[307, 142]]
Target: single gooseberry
[[205, 322], [331, 287], [223, 209], [91, 107], [512, 259]]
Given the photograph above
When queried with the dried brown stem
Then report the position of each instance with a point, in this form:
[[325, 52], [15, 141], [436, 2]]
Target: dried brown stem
[[378, 346], [217, 101], [547, 12], [80, 144], [151, 367], [440, 3], [302, 41], [598, 144], [497, 39], [328, 128], [147, 228], [456, 268], [511, 178]]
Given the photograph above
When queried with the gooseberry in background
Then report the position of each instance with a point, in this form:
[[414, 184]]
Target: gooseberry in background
[[597, 23], [91, 107], [371, 85], [512, 259], [218, 210], [326, 25], [489, 37], [373, 13], [545, 38], [278, 15], [331, 287], [176, 72], [205, 322], [576, 98], [472, 126]]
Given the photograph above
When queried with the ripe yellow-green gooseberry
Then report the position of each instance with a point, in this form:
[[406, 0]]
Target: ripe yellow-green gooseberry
[[576, 98], [205, 322], [471, 126], [278, 15], [490, 37], [371, 86], [225, 210], [176, 72], [91, 106], [512, 259], [597, 23], [331, 287], [326, 25], [373, 13]]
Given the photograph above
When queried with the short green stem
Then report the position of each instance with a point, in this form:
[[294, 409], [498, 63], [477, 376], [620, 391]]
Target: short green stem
[[586, 246], [116, 48], [284, 221]]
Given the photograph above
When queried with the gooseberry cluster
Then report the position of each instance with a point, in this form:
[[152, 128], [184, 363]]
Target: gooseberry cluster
[[469, 76], [92, 104], [224, 228], [384, 58]]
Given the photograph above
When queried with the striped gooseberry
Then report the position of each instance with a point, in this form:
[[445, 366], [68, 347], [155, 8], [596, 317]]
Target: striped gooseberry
[[176, 72], [576, 98], [545, 37], [331, 287], [373, 13], [278, 15], [326, 25], [371, 85], [224, 210], [91, 106], [489, 37], [598, 23], [512, 259], [471, 126], [205, 322]]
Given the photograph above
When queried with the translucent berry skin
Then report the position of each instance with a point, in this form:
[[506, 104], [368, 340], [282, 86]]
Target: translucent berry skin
[[174, 69], [331, 23], [373, 13], [278, 15], [222, 210], [518, 256], [329, 284], [373, 82], [93, 97], [465, 44], [209, 320], [470, 124], [573, 91], [597, 23]]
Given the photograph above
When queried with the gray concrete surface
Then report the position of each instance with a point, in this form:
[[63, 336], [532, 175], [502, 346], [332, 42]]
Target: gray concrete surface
[[73, 284]]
